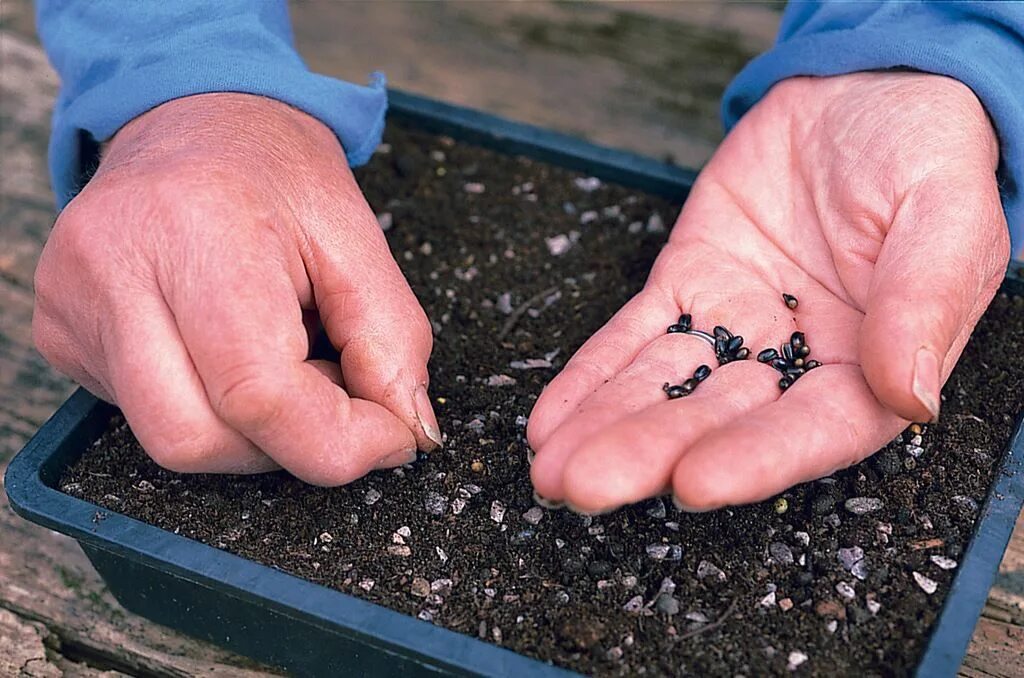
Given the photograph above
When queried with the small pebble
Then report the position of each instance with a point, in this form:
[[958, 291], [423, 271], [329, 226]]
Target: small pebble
[[845, 590], [656, 509], [614, 653], [786, 604], [588, 217], [367, 584], [386, 221], [858, 506], [371, 497], [850, 556], [796, 658], [534, 515], [768, 600], [802, 538], [399, 550], [558, 245], [473, 187], [655, 224], [943, 562], [927, 585], [634, 604], [667, 604], [698, 617], [477, 466], [587, 184], [781, 553], [657, 551], [435, 503], [500, 380], [915, 429], [420, 587], [873, 606], [497, 511], [831, 625], [706, 569]]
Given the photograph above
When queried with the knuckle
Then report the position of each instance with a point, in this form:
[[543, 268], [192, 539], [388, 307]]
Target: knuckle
[[248, 397], [48, 340]]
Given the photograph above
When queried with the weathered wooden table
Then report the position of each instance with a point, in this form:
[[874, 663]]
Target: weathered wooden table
[[55, 616]]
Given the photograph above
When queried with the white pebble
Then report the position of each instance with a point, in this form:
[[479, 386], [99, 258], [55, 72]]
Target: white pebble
[[367, 584], [846, 590], [399, 550], [587, 184], [534, 515], [943, 562], [386, 221], [500, 380], [927, 585], [372, 496], [434, 503], [698, 617], [558, 245], [768, 600], [831, 625], [497, 511], [655, 224], [441, 554], [796, 658], [404, 531], [802, 538], [657, 551], [861, 505], [707, 569], [873, 606], [457, 505], [588, 217], [473, 187], [634, 604]]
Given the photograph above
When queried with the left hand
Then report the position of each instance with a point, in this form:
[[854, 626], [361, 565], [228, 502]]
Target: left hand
[[872, 198]]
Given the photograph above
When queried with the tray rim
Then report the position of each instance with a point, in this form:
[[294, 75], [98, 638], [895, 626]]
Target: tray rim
[[34, 498]]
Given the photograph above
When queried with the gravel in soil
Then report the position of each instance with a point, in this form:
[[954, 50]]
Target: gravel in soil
[[842, 575]]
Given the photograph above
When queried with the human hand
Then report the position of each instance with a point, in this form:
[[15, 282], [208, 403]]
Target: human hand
[[872, 198], [177, 283]]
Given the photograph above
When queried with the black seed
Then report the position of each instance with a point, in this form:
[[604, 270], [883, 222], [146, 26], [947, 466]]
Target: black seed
[[722, 332], [689, 385], [685, 321], [674, 392], [805, 350], [675, 329], [702, 373], [795, 372], [780, 364], [742, 353], [797, 340], [785, 383], [720, 346], [767, 355], [790, 300], [787, 351], [811, 364], [799, 362], [734, 344]]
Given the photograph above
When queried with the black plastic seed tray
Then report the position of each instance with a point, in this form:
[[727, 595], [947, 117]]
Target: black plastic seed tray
[[308, 629]]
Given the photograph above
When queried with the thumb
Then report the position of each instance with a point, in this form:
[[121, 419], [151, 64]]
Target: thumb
[[374, 320], [939, 267]]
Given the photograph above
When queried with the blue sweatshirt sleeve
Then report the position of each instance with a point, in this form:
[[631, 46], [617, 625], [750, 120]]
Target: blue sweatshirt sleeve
[[118, 59], [981, 44]]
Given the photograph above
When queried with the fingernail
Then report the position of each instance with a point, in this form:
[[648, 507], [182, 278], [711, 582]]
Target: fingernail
[[396, 459], [688, 509], [582, 512], [425, 415], [530, 455], [926, 384], [549, 504]]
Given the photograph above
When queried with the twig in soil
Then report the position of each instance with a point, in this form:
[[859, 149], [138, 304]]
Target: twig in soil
[[926, 544], [520, 310], [713, 625]]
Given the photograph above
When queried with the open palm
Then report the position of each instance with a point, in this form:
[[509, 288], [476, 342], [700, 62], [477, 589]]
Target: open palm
[[871, 198]]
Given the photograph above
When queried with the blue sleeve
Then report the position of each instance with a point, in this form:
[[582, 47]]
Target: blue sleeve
[[118, 59], [981, 44]]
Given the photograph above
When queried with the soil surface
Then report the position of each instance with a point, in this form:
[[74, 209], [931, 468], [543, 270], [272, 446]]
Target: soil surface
[[847, 577]]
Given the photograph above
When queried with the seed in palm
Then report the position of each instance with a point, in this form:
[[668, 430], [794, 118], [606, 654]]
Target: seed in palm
[[790, 300], [792, 364], [689, 385]]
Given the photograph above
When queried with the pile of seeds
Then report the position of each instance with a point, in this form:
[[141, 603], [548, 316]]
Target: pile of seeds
[[688, 386], [792, 363]]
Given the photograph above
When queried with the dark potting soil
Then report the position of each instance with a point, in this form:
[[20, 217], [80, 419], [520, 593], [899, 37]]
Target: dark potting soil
[[456, 538]]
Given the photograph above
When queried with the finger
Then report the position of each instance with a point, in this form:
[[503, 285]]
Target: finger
[[634, 458], [66, 355], [940, 266], [613, 347], [249, 346], [670, 358], [828, 420], [373, 318], [162, 398]]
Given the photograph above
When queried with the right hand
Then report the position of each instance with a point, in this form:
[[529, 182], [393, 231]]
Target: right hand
[[175, 286]]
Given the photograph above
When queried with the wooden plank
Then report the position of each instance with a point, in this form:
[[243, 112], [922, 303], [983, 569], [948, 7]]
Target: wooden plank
[[997, 649]]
